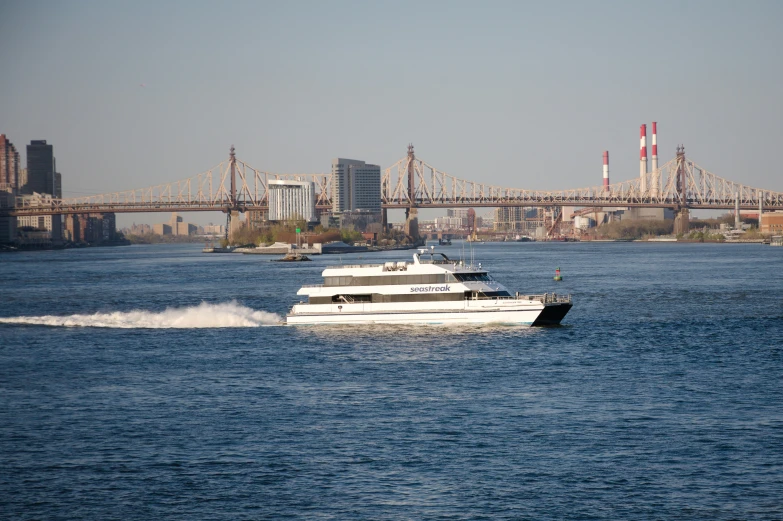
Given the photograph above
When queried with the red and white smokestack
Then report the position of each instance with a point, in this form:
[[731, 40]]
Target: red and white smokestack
[[643, 157], [655, 180], [655, 146], [606, 171]]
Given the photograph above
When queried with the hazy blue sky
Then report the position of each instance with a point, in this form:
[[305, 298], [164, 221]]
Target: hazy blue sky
[[519, 94]]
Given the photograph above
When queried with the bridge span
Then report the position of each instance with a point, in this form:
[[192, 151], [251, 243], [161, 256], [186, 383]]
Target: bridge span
[[235, 186]]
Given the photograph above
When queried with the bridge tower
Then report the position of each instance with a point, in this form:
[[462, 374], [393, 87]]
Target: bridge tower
[[681, 213], [411, 212]]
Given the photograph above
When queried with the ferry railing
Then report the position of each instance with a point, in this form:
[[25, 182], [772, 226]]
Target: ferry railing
[[351, 266], [549, 298], [546, 298]]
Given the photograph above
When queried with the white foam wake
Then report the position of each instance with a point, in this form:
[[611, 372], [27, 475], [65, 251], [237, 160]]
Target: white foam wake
[[205, 315]]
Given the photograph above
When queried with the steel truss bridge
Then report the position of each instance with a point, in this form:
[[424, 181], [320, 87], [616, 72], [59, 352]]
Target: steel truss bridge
[[235, 186]]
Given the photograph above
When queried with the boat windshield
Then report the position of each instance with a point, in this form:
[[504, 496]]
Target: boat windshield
[[472, 277], [434, 258]]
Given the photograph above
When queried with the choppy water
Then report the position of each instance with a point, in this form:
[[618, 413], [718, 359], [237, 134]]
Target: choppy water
[[152, 382]]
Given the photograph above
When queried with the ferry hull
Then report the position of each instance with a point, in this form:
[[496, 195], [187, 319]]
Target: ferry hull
[[515, 317], [552, 314]]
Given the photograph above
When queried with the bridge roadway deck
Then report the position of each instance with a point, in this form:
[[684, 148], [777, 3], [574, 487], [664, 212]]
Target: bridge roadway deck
[[183, 207]]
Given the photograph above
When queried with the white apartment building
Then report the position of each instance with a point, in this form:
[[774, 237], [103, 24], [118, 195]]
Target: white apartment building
[[291, 200]]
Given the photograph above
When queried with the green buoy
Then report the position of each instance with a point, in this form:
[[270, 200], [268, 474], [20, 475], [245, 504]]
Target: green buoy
[[558, 277]]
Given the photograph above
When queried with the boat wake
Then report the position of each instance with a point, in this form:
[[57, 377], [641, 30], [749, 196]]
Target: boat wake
[[205, 315]]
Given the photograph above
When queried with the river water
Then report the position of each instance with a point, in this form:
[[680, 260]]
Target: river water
[[154, 382]]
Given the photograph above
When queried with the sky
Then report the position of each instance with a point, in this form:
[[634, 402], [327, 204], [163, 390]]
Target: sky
[[513, 93]]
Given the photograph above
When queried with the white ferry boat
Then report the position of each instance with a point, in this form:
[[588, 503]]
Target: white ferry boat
[[433, 289]]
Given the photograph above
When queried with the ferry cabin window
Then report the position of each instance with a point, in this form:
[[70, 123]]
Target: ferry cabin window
[[384, 299], [340, 299], [469, 295], [337, 281], [387, 280]]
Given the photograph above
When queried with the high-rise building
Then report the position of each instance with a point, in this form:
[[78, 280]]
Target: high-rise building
[[40, 168], [58, 185], [356, 185], [9, 165], [22, 181], [292, 200], [509, 218]]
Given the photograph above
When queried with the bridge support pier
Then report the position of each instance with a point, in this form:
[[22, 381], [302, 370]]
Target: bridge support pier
[[681, 221], [412, 223], [234, 226]]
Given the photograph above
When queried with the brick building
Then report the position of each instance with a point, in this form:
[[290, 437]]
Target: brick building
[[772, 222], [93, 228]]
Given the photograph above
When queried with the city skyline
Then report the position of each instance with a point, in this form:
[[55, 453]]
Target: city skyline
[[518, 95]]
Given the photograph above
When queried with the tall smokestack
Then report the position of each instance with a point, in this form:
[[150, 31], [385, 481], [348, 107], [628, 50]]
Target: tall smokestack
[[643, 157], [655, 177], [606, 171]]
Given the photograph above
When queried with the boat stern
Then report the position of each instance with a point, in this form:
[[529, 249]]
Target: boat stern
[[556, 307]]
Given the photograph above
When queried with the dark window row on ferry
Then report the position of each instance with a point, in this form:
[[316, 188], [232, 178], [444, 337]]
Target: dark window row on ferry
[[386, 280], [393, 280], [380, 299], [406, 297]]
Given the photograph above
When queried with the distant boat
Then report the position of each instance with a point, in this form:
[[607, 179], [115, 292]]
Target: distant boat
[[293, 257], [341, 247], [444, 242], [211, 248]]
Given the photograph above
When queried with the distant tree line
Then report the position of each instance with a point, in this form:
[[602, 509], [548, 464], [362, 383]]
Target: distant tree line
[[286, 232], [638, 229]]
